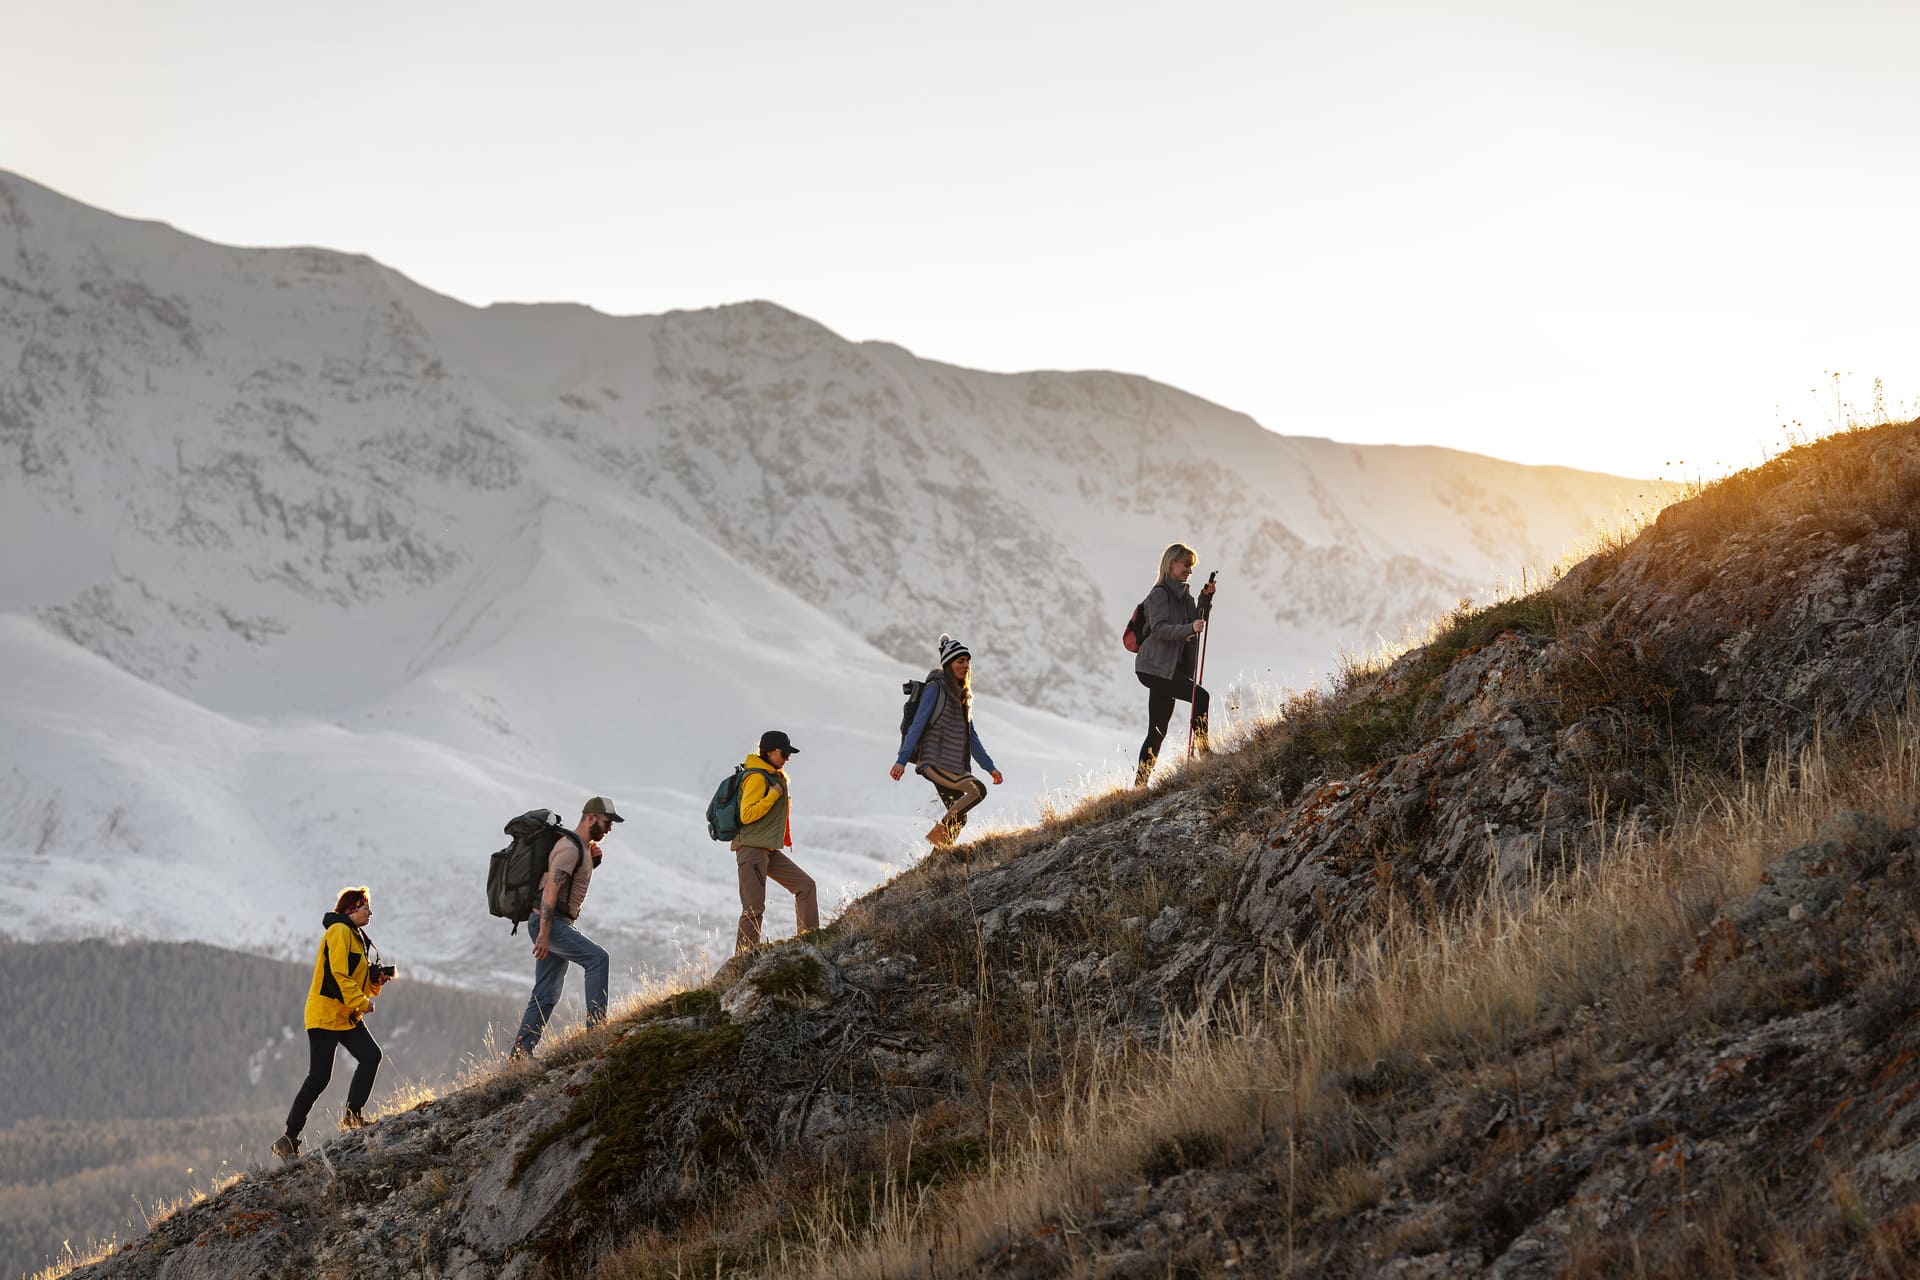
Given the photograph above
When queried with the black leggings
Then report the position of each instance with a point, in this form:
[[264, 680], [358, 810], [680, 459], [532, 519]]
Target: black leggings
[[1165, 693], [320, 1046]]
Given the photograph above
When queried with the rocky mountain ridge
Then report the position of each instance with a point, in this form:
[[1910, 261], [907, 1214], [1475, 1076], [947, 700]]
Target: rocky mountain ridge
[[329, 573], [864, 1082]]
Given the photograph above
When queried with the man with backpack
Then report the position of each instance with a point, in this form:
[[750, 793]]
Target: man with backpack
[[766, 832], [556, 941]]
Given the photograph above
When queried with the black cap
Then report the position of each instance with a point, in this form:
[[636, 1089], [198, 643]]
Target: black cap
[[774, 740]]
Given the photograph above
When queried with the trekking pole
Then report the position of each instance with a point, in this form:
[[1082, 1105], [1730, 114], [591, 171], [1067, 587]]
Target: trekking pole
[[1199, 669]]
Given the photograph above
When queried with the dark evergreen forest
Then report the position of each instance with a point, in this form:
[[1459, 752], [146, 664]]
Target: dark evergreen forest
[[135, 1073]]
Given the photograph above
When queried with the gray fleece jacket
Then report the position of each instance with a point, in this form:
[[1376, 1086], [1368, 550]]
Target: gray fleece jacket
[[1168, 648]]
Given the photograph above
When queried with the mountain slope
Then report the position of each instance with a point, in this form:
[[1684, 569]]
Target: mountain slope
[[331, 575], [1591, 1046]]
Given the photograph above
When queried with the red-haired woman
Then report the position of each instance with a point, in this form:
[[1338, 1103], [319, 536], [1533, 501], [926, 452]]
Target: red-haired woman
[[347, 975]]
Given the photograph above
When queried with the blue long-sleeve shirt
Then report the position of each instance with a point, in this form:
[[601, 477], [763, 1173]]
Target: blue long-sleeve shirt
[[923, 717]]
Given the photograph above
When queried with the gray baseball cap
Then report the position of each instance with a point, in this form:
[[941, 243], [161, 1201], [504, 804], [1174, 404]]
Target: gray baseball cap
[[603, 806]]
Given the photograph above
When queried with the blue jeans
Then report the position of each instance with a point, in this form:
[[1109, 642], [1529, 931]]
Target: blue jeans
[[564, 944]]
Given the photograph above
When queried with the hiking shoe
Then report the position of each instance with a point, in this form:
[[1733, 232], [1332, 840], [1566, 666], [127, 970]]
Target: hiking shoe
[[939, 836], [353, 1118], [287, 1147]]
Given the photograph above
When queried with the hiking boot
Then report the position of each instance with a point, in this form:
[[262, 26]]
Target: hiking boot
[[287, 1147], [939, 836], [352, 1118], [1143, 772]]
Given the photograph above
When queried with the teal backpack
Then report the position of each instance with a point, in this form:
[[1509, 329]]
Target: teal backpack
[[723, 811]]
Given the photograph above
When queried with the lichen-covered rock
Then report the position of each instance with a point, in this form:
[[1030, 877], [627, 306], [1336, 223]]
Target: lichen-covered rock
[[791, 977], [1803, 883]]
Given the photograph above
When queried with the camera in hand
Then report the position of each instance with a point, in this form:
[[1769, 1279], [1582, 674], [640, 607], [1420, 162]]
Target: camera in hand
[[382, 972]]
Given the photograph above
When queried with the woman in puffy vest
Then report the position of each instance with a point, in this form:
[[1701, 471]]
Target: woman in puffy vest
[[941, 740], [346, 978], [1165, 661]]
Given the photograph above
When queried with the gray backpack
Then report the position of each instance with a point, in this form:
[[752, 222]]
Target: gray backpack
[[515, 873]]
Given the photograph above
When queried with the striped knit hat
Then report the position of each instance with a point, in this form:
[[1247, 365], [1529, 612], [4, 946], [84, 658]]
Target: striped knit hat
[[951, 649]]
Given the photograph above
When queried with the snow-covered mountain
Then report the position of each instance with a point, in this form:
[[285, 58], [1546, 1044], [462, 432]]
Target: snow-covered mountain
[[315, 577]]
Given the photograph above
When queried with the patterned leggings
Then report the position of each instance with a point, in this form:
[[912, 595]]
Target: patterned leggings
[[958, 791]]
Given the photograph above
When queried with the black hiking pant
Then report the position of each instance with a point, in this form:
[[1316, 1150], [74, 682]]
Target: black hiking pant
[[1163, 693], [320, 1046]]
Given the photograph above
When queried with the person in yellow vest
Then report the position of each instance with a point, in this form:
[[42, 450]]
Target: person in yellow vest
[[766, 833], [347, 975]]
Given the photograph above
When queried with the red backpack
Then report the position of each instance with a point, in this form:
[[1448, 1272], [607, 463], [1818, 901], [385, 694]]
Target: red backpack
[[1136, 628]]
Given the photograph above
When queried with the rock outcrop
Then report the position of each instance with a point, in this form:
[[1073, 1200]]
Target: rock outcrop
[[1493, 753]]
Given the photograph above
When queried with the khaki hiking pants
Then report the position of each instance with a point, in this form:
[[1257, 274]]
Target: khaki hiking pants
[[959, 792], [756, 867]]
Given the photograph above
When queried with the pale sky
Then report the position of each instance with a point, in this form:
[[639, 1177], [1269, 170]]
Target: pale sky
[[1614, 235]]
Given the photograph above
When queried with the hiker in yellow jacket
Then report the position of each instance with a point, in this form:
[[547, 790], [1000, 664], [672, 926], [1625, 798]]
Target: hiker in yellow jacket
[[347, 975], [766, 832]]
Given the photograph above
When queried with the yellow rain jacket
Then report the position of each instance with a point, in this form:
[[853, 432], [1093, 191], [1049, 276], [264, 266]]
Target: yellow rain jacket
[[340, 993]]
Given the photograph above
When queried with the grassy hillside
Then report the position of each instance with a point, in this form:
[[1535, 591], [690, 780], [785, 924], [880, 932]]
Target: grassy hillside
[[1580, 940], [138, 1071]]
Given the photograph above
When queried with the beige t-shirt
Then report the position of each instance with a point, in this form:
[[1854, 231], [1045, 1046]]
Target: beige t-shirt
[[568, 860]]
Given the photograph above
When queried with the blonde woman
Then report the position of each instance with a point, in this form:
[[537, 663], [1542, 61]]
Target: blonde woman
[[941, 739], [1168, 648]]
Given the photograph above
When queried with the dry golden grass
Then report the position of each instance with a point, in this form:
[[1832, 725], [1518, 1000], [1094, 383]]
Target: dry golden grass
[[1855, 478], [1455, 990], [1737, 1235], [72, 1259], [167, 1208]]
